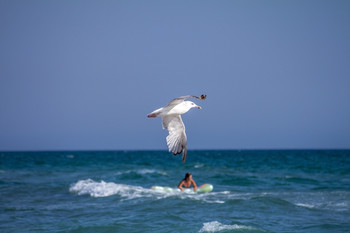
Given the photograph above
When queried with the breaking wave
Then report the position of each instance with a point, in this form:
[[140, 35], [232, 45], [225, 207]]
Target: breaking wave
[[105, 189], [216, 226], [143, 172]]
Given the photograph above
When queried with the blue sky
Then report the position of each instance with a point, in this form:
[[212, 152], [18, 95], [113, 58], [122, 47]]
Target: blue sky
[[82, 75]]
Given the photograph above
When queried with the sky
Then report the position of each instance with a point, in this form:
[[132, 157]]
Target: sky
[[83, 75]]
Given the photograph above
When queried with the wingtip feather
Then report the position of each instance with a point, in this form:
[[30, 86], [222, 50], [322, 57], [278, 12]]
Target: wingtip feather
[[202, 97], [184, 155]]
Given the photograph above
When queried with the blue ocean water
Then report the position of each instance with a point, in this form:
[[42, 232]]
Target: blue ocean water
[[109, 191]]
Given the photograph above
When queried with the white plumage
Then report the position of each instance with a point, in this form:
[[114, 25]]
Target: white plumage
[[171, 120]]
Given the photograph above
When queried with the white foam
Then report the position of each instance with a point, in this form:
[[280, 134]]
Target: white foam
[[333, 200], [321, 205], [151, 171], [105, 189], [126, 192], [211, 197], [216, 226], [199, 165], [143, 172], [305, 205], [218, 197]]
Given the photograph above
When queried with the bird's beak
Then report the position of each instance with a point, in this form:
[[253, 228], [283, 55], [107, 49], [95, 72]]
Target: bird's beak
[[199, 107]]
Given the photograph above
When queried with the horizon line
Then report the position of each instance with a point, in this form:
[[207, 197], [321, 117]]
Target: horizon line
[[165, 150]]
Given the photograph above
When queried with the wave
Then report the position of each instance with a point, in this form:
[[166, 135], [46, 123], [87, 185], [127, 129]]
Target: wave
[[143, 172], [199, 165], [105, 189], [216, 226], [300, 180], [326, 200], [326, 205], [336, 200], [310, 206]]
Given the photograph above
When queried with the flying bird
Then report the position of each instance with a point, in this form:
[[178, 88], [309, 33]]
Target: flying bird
[[171, 120]]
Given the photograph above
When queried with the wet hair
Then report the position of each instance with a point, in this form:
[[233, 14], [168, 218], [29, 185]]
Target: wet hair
[[187, 176]]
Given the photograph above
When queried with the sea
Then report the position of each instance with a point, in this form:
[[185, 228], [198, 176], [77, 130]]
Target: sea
[[110, 191]]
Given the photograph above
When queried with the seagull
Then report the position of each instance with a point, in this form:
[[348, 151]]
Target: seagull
[[171, 120]]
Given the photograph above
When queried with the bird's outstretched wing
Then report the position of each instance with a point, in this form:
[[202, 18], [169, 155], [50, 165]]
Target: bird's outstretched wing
[[176, 140], [183, 98]]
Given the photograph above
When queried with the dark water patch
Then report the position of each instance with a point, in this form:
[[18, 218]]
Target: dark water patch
[[130, 176], [93, 229], [268, 201], [300, 180], [325, 227], [240, 181]]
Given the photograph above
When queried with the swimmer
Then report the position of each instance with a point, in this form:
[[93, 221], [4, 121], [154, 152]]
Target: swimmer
[[187, 181]]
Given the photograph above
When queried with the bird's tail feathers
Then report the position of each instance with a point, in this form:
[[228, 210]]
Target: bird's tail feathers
[[151, 115], [155, 113]]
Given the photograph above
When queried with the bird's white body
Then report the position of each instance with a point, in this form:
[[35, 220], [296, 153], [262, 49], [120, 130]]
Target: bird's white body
[[171, 120], [172, 109]]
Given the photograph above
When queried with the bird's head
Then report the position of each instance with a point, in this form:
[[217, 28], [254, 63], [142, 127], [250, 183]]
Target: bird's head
[[190, 104]]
